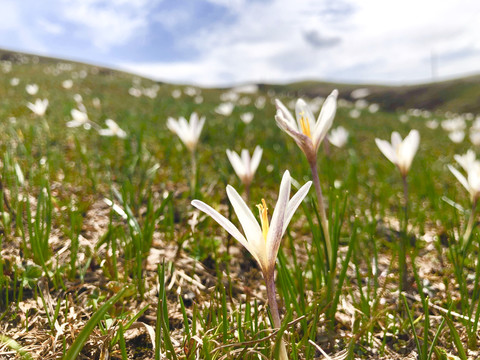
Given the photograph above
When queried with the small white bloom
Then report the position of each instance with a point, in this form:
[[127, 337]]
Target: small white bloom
[[457, 136], [475, 137], [244, 166], [373, 108], [188, 132], [80, 118], [246, 117], [338, 136], [355, 113], [472, 168], [14, 81], [432, 124], [113, 130], [225, 108], [307, 133], [67, 84], [176, 93], [39, 107], [400, 152], [359, 93], [31, 89]]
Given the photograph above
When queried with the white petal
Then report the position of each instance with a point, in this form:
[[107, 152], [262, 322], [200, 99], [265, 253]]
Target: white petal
[[255, 161], [325, 119], [409, 148], [387, 150], [460, 177], [396, 139], [294, 203], [275, 232], [226, 224], [236, 163], [285, 113], [250, 226]]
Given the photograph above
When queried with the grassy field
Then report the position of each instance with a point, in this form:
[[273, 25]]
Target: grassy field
[[103, 255]]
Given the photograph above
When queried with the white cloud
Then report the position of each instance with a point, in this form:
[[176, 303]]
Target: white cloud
[[50, 27], [108, 23], [370, 40]]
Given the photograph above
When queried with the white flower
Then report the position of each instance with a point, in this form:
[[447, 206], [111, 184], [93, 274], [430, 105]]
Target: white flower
[[245, 166], [475, 137], [472, 168], [457, 136], [14, 81], [113, 130], [225, 108], [31, 89], [188, 132], [355, 113], [80, 118], [373, 108], [67, 84], [246, 117], [338, 136], [176, 93], [307, 133], [262, 241], [359, 93], [400, 152], [39, 107], [432, 124]]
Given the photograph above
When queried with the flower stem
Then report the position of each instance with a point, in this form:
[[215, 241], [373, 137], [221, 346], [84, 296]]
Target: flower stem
[[272, 303], [193, 180], [323, 213], [402, 255], [471, 222]]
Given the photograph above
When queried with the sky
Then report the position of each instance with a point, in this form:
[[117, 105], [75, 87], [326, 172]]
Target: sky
[[228, 42]]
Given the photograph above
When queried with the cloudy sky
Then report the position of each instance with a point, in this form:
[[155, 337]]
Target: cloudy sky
[[222, 42]]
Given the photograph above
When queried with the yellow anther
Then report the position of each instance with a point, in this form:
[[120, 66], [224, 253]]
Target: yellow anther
[[305, 124], [262, 209]]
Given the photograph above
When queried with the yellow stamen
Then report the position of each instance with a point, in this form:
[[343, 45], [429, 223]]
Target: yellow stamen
[[305, 124], [262, 209]]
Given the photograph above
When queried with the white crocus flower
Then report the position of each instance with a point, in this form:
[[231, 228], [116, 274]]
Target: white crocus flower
[[246, 117], [113, 130], [245, 166], [188, 132], [307, 133], [400, 152], [261, 240], [80, 118], [472, 168], [39, 107], [338, 136], [31, 89]]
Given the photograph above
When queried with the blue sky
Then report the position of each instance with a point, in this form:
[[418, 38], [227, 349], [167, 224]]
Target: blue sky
[[223, 42]]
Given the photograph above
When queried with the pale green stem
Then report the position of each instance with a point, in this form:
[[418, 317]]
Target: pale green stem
[[402, 256], [323, 213], [193, 180], [471, 223], [272, 303]]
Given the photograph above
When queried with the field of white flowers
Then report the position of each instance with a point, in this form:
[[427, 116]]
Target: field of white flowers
[[142, 220]]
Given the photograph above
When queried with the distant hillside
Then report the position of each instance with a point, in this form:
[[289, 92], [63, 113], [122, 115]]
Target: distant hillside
[[459, 95]]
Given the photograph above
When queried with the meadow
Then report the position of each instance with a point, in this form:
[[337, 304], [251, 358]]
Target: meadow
[[103, 255]]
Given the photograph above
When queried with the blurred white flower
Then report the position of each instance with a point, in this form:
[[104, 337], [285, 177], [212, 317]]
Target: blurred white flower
[[188, 132], [198, 99], [457, 136], [475, 137], [176, 93], [225, 108], [373, 108], [191, 91], [31, 89], [359, 93], [361, 104], [260, 102], [244, 166], [472, 168], [246, 89], [96, 103], [307, 133], [432, 124], [78, 98], [67, 84], [354, 113], [246, 117], [14, 81], [403, 118], [135, 92], [455, 124], [338, 136], [80, 118], [39, 107], [400, 152], [113, 130]]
